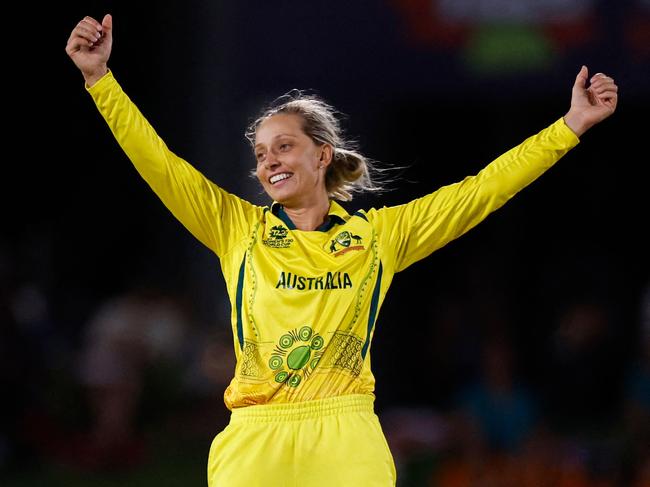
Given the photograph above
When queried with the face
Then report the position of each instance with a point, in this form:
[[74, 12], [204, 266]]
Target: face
[[290, 166]]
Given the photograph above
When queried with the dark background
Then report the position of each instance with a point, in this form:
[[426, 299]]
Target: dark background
[[439, 95]]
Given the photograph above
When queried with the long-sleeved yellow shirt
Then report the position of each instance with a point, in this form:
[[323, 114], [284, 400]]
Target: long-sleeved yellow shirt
[[304, 303]]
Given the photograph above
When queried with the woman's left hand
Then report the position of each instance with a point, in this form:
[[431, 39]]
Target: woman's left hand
[[593, 104]]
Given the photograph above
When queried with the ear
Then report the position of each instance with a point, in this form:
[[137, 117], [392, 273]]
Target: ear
[[325, 156]]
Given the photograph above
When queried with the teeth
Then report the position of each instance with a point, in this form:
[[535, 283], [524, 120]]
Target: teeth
[[279, 177]]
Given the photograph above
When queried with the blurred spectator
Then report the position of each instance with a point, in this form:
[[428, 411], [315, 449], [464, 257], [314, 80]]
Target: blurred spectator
[[210, 360], [494, 420], [502, 411], [416, 437], [126, 338], [15, 375], [29, 350]]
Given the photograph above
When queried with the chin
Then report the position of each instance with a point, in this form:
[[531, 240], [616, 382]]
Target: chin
[[281, 195], [284, 201], [284, 198]]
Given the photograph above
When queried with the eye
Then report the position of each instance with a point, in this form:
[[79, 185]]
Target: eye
[[285, 147], [260, 156]]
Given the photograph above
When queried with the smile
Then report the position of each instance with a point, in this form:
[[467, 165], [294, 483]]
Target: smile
[[276, 178]]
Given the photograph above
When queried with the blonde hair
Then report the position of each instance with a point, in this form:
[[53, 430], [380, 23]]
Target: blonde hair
[[350, 171]]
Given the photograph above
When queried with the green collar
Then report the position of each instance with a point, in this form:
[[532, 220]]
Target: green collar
[[336, 216]]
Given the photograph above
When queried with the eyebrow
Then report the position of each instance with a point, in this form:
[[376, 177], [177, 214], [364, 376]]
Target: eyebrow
[[281, 135]]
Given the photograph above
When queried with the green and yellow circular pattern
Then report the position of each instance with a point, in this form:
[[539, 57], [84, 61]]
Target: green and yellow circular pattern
[[296, 354]]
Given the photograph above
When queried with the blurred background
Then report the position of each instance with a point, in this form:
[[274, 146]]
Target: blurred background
[[517, 355]]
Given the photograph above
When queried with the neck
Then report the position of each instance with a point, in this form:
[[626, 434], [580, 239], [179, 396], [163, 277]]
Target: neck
[[309, 217]]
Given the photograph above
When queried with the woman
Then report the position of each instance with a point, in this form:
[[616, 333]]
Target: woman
[[305, 278]]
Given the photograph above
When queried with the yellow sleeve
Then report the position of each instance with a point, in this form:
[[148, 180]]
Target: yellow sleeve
[[215, 217], [414, 230]]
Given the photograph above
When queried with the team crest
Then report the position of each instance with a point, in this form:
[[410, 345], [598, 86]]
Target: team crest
[[343, 243], [278, 238]]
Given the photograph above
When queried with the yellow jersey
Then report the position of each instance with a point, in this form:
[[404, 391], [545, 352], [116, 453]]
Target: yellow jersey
[[305, 303]]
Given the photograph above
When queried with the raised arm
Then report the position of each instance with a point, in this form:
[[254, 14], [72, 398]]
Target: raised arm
[[215, 217], [416, 229]]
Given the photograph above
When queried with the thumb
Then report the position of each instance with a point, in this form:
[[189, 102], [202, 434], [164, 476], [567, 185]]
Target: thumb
[[581, 79], [107, 24]]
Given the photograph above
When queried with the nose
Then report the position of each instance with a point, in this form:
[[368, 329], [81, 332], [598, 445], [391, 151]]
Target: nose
[[271, 161]]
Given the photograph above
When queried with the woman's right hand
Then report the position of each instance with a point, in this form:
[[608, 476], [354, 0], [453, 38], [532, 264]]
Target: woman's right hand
[[89, 47]]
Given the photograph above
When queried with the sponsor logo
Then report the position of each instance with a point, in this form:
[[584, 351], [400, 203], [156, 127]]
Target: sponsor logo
[[342, 243], [278, 238], [331, 280]]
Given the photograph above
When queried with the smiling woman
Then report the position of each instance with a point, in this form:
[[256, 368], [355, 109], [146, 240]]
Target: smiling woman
[[346, 170], [305, 278], [291, 167]]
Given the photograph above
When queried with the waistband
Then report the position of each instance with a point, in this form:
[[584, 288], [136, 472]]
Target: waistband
[[297, 411]]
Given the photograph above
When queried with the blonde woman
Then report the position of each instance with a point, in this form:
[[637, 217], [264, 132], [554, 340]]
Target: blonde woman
[[306, 279]]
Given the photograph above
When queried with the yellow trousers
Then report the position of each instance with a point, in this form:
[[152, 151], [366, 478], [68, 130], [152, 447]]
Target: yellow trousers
[[333, 442]]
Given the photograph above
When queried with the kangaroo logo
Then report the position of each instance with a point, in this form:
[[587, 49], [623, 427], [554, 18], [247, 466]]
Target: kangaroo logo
[[341, 243]]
